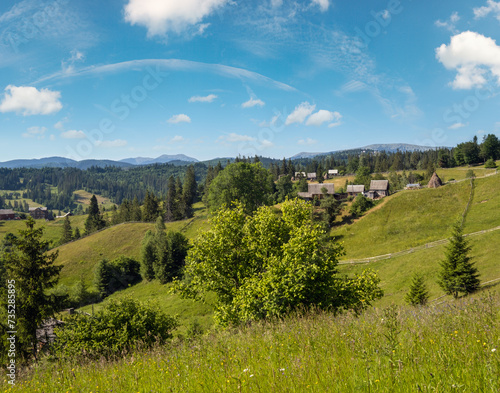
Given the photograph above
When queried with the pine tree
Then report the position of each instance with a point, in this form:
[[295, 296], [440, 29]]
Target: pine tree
[[76, 234], [148, 256], [418, 293], [135, 212], [458, 272], [67, 233], [94, 220], [33, 271], [151, 207], [170, 202], [189, 192]]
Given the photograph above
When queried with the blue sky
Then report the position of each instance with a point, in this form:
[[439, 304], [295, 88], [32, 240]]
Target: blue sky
[[218, 78]]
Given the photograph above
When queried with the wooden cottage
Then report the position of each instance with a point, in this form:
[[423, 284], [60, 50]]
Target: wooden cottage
[[7, 214], [378, 189], [332, 172], [316, 190], [39, 213], [355, 189]]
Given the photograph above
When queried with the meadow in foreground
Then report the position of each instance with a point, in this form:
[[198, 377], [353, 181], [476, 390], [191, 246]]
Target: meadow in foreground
[[447, 347]]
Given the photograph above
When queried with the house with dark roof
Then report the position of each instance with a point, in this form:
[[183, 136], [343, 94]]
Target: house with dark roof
[[378, 189], [355, 189], [7, 214], [316, 190], [39, 213]]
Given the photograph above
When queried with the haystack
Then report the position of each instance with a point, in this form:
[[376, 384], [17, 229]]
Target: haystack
[[435, 181]]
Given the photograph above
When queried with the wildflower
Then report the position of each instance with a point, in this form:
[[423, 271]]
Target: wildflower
[[251, 375], [245, 370], [282, 369], [493, 350]]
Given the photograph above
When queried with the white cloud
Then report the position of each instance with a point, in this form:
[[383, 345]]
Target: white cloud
[[276, 3], [177, 138], [115, 143], [456, 126], [233, 137], [30, 101], [59, 125], [181, 118], [272, 123], [52, 137], [336, 124], [68, 65], [73, 134], [266, 143], [253, 102], [322, 116], [449, 24], [472, 55], [323, 4], [162, 16], [308, 141], [300, 113], [208, 98], [35, 132], [493, 7]]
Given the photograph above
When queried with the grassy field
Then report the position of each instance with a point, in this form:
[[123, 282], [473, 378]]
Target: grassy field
[[53, 229], [83, 197], [80, 257], [452, 347], [412, 218]]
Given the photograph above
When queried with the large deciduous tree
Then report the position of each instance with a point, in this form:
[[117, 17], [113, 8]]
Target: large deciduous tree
[[250, 184], [266, 264]]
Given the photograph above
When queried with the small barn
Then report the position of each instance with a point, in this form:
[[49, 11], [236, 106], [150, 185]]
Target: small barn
[[332, 172], [435, 181], [378, 189], [39, 213], [311, 176], [7, 214], [355, 189], [315, 190]]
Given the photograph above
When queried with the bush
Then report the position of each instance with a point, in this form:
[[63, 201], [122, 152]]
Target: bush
[[490, 163], [119, 326], [360, 205], [118, 274]]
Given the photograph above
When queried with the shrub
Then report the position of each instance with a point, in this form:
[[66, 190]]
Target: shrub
[[360, 205], [490, 163], [119, 326], [110, 277]]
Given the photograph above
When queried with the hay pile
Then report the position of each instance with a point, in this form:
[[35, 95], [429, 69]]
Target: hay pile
[[435, 181]]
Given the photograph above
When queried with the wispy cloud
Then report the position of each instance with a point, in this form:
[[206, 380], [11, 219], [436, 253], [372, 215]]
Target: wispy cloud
[[176, 139], [234, 138], [35, 132], [456, 126], [307, 142], [209, 98], [253, 102], [181, 118], [162, 65], [112, 144], [450, 23], [322, 116], [73, 134], [491, 7]]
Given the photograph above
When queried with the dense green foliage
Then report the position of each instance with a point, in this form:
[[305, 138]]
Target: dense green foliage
[[163, 254], [418, 295], [30, 271], [250, 184], [121, 272], [360, 205], [95, 221], [268, 264], [458, 273], [448, 348], [118, 327], [66, 232]]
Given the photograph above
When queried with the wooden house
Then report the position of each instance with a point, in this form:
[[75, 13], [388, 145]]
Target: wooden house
[[311, 176], [378, 189], [332, 172], [7, 214], [39, 213], [316, 190], [355, 189]]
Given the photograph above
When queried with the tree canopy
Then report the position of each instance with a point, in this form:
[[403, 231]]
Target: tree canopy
[[269, 263], [250, 184]]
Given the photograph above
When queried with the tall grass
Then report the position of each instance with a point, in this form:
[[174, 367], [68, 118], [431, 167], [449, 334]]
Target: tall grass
[[452, 347]]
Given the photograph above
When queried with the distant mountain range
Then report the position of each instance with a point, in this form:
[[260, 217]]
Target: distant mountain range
[[388, 147], [179, 159], [61, 162]]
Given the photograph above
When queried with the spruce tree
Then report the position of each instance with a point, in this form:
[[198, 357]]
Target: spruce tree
[[170, 202], [418, 294], [32, 271], [148, 256], [458, 273], [94, 220], [67, 233]]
